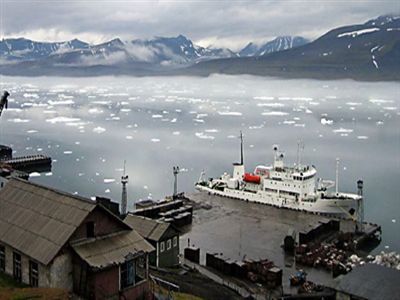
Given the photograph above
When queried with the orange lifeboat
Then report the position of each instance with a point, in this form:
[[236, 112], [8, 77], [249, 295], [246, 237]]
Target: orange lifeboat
[[248, 177]]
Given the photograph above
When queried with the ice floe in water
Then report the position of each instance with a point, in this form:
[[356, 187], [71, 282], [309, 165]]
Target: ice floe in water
[[62, 120], [99, 129], [270, 104], [176, 133], [49, 174], [274, 113], [18, 120], [109, 180], [61, 102], [325, 121], [343, 130], [229, 113], [154, 140], [67, 152], [201, 135], [211, 130], [95, 111], [362, 137], [157, 116], [34, 174], [380, 101]]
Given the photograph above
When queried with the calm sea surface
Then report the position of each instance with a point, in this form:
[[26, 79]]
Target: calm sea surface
[[89, 126]]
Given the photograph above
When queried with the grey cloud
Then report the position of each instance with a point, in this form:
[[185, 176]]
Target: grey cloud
[[225, 23]]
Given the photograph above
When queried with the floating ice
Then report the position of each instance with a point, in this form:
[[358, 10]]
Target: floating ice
[[129, 137], [99, 129], [34, 174], [176, 133], [95, 111], [18, 120], [157, 116], [343, 130], [229, 113], [61, 102], [325, 121], [362, 137], [263, 98], [270, 104], [275, 113], [109, 180], [201, 135], [107, 191], [62, 120], [211, 130], [67, 152], [49, 174], [154, 140], [31, 131]]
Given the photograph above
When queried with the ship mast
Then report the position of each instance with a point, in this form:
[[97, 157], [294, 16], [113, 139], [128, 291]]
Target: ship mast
[[241, 148]]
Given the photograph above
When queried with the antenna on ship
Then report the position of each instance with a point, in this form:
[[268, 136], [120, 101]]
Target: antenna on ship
[[337, 175], [241, 148], [300, 148], [124, 200]]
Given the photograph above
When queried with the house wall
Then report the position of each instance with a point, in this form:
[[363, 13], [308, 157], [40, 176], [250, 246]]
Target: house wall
[[104, 224], [168, 258], [60, 272], [57, 274], [106, 284]]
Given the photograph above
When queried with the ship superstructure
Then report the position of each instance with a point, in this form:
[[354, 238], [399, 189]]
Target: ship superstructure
[[279, 185]]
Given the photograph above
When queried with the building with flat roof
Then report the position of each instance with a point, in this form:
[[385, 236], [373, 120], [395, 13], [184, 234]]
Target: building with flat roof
[[49, 238]]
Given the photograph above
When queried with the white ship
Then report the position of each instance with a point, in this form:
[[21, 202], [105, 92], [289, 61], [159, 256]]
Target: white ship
[[282, 186]]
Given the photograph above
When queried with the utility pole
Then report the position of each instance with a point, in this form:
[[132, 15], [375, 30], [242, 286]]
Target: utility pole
[[337, 175], [124, 200], [175, 171], [360, 213]]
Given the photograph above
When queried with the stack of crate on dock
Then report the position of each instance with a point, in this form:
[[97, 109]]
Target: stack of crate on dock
[[262, 271]]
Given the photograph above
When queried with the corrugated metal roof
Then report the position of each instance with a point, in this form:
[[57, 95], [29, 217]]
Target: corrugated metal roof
[[148, 228], [37, 220], [112, 250], [372, 282]]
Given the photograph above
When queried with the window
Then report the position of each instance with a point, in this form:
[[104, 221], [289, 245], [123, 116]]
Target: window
[[175, 241], [169, 244], [127, 274], [162, 247], [90, 229], [17, 267], [2, 259], [33, 274]]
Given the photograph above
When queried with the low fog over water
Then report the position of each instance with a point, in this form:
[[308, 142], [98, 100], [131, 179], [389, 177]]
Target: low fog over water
[[89, 126]]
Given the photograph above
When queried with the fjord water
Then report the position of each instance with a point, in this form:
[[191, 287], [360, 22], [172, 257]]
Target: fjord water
[[89, 126]]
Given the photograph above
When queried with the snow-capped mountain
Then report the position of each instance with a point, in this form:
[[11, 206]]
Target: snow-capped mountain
[[160, 50], [24, 49], [369, 51], [278, 44]]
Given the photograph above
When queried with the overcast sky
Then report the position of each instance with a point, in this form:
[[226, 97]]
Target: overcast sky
[[220, 23]]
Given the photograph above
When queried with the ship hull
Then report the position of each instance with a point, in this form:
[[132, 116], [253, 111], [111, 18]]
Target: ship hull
[[331, 207]]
